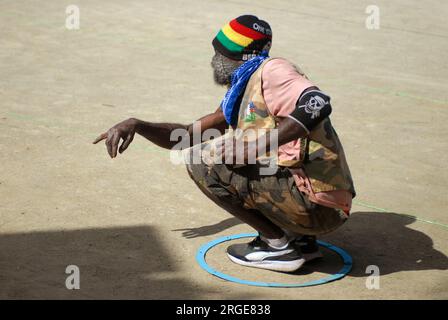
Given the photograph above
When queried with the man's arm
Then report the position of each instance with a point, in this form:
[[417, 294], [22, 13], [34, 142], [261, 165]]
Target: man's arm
[[158, 133], [311, 108], [288, 130]]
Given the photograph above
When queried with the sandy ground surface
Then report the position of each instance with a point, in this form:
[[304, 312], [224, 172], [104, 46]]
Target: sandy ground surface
[[64, 201]]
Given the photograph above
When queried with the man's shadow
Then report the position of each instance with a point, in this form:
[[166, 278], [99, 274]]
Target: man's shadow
[[384, 239], [387, 240], [203, 231]]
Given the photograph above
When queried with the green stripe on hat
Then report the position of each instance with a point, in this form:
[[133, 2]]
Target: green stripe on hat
[[229, 44]]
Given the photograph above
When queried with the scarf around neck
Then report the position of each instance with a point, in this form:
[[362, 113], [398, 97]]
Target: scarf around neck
[[240, 77]]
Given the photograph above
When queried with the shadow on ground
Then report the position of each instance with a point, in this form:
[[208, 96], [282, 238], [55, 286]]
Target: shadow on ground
[[215, 228], [114, 263], [371, 238], [386, 240]]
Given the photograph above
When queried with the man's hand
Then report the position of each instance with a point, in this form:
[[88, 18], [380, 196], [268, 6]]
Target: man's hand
[[236, 151], [157, 133], [124, 130]]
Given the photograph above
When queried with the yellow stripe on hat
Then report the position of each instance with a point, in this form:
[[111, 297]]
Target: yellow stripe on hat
[[236, 37]]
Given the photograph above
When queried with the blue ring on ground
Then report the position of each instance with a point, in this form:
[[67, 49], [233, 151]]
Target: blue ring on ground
[[200, 258]]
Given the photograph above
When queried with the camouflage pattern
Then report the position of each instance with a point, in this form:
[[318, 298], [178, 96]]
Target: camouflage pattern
[[275, 196], [254, 114], [322, 157], [325, 165]]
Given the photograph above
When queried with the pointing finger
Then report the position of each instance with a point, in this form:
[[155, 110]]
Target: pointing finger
[[101, 137]]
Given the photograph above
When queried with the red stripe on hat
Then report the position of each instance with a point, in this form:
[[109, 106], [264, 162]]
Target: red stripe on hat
[[245, 31]]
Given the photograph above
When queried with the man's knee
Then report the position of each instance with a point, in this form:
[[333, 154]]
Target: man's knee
[[210, 182]]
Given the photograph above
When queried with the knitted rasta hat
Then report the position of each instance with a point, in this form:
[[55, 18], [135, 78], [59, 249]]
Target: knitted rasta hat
[[243, 38]]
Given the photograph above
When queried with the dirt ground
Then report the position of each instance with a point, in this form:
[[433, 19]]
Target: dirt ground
[[133, 224]]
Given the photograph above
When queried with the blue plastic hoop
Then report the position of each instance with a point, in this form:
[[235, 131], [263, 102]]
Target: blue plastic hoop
[[200, 258]]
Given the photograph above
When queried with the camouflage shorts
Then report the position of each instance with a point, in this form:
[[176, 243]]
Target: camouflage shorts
[[275, 196]]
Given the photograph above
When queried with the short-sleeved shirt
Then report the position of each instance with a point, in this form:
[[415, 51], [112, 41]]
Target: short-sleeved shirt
[[282, 87]]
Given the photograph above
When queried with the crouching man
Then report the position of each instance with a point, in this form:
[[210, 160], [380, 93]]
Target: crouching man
[[310, 190]]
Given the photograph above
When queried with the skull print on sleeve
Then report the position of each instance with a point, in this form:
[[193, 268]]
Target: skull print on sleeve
[[311, 108]]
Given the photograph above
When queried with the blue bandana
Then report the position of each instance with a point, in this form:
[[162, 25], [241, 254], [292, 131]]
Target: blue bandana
[[230, 105]]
